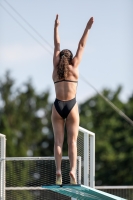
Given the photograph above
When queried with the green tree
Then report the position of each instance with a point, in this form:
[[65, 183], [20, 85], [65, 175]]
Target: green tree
[[25, 120], [114, 141]]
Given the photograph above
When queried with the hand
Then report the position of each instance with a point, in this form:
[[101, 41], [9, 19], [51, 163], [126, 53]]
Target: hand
[[57, 21], [90, 22]]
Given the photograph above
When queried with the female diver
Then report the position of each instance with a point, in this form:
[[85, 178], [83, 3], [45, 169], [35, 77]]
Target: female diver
[[65, 109]]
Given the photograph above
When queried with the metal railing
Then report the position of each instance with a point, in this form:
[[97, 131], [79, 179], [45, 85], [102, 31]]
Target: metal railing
[[2, 166], [121, 191], [89, 160]]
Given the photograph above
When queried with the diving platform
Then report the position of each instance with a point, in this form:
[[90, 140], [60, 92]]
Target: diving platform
[[81, 192]]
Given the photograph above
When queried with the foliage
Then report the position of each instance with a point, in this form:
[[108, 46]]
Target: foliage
[[114, 143], [25, 120]]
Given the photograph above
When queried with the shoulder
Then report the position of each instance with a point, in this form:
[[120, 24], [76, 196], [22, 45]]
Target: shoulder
[[74, 71], [75, 62]]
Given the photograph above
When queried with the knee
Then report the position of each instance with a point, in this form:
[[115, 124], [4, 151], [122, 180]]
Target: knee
[[72, 143], [58, 143]]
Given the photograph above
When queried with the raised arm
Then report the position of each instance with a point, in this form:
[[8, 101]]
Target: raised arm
[[82, 43], [56, 43]]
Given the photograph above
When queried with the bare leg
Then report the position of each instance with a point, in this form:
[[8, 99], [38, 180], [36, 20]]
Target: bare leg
[[58, 128], [72, 125]]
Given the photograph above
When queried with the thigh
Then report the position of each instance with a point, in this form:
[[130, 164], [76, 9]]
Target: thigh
[[72, 124], [58, 126]]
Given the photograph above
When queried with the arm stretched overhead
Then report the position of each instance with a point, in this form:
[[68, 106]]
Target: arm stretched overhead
[[56, 43], [82, 43]]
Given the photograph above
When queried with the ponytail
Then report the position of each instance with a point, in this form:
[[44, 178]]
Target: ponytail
[[65, 60]]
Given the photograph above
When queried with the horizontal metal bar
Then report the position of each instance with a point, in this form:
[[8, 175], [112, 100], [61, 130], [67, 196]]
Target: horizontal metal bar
[[80, 129], [40, 188], [35, 158], [86, 131], [25, 188], [1, 135], [31, 158], [114, 187]]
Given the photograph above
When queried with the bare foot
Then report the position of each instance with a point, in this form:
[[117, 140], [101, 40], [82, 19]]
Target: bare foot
[[58, 178], [90, 22], [72, 178]]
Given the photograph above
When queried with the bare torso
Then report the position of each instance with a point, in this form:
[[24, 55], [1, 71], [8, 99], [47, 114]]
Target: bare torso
[[66, 90]]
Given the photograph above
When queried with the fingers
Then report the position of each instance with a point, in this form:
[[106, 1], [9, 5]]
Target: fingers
[[92, 19], [57, 16], [90, 22], [57, 20]]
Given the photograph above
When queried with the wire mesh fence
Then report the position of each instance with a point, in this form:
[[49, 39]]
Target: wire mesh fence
[[121, 191], [80, 152], [86, 150], [25, 176], [34, 195], [37, 171]]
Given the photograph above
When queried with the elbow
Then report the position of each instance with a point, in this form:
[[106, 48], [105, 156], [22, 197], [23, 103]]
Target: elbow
[[57, 45], [81, 45]]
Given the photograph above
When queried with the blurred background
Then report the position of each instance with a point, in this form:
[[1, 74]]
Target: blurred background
[[27, 90]]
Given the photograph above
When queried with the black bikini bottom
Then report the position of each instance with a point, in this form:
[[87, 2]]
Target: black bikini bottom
[[64, 107]]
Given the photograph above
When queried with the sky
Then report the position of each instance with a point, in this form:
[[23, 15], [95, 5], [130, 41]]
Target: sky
[[107, 60]]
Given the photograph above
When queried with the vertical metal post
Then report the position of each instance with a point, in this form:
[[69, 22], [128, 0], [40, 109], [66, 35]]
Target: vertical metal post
[[79, 170], [86, 159], [92, 161], [2, 166], [0, 172]]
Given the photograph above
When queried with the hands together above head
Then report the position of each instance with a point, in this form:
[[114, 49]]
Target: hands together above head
[[57, 20]]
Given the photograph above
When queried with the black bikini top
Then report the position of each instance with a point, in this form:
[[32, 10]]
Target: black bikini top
[[66, 81]]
